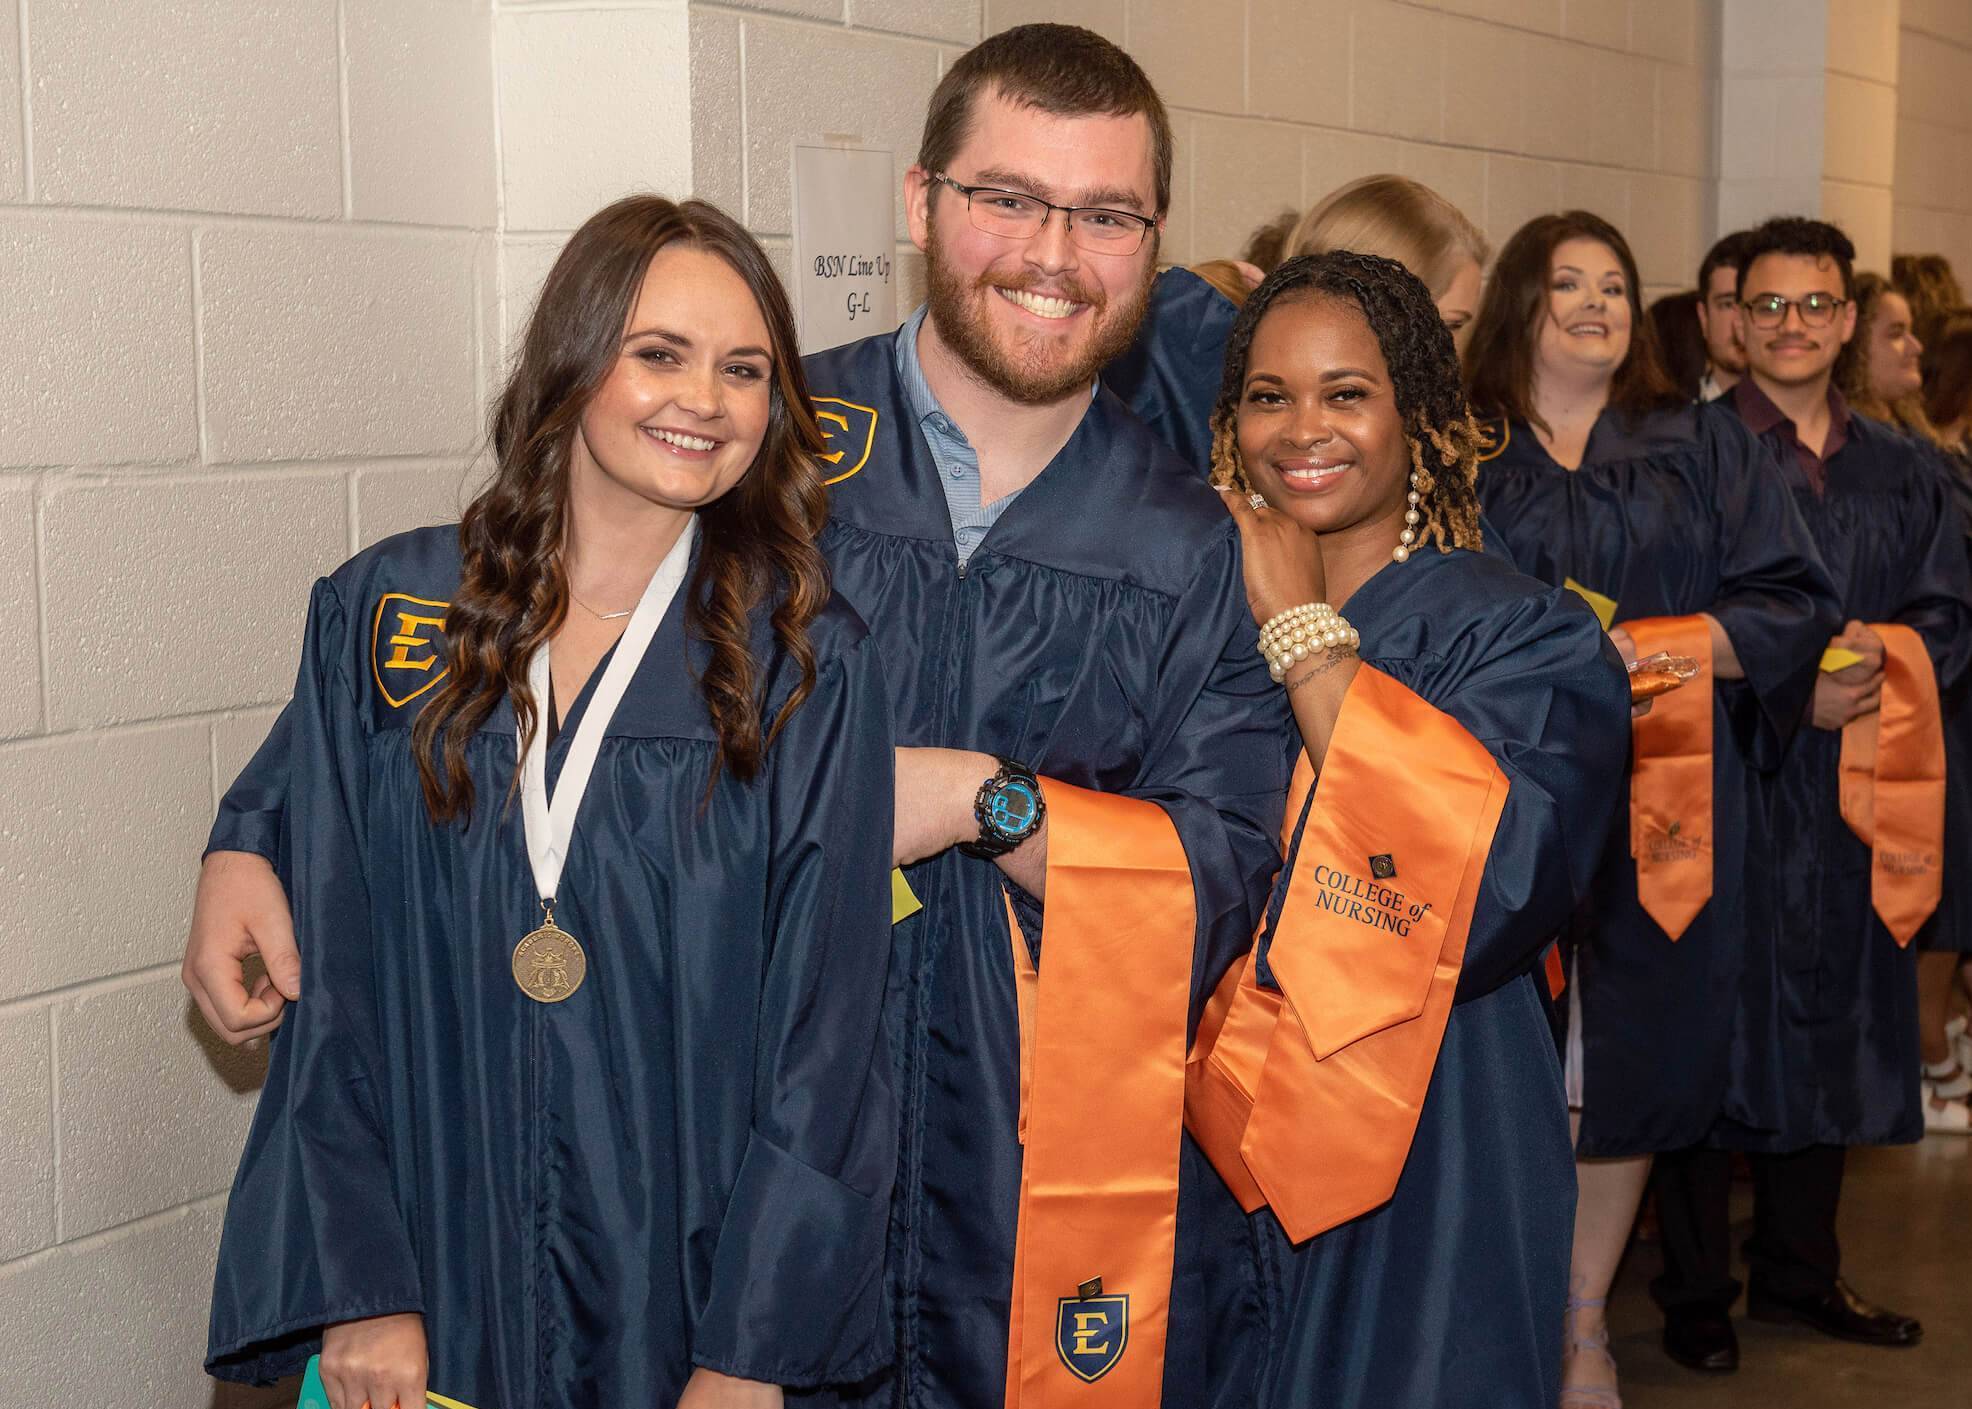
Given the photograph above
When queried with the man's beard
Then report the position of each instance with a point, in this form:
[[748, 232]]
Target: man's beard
[[963, 325]]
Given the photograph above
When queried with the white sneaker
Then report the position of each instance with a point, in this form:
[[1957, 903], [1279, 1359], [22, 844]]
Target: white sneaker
[[1958, 1032], [1949, 1118], [1947, 1080]]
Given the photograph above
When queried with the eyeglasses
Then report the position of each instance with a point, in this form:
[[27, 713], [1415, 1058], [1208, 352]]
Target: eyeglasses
[[1019, 216], [1769, 311]]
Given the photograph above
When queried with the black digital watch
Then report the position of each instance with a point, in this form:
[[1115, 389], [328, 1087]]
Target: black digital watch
[[1009, 807]]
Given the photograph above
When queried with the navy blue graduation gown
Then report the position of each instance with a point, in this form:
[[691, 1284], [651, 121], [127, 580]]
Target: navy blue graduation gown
[[1450, 1295], [1673, 514], [1951, 928], [1100, 635], [1827, 1052], [681, 1163], [1170, 375]]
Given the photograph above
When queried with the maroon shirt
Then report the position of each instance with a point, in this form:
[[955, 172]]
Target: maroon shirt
[[1759, 413]]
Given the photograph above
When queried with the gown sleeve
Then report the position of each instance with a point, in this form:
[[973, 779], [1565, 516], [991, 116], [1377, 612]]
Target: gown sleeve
[[1936, 600], [250, 814], [1776, 602], [1548, 698], [313, 1234], [797, 1292], [1170, 374]]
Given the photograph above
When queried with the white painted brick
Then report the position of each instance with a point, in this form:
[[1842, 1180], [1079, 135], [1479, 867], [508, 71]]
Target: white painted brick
[[1244, 173], [337, 342], [1105, 17], [1456, 173], [102, 837], [1396, 70], [524, 266], [1672, 30], [96, 354], [116, 1320], [718, 127], [1622, 121], [154, 1107], [1485, 85], [234, 739], [165, 598], [955, 20], [13, 177], [1517, 190], [1930, 80], [1600, 190], [911, 286], [1541, 15], [813, 9], [1862, 39], [875, 91], [1602, 22], [1684, 121], [20, 630], [27, 1135], [162, 104], [1861, 131], [1919, 229], [1280, 35], [1749, 128], [1195, 54], [1947, 19], [1175, 245], [491, 359], [1764, 36], [630, 130], [1865, 215], [396, 498], [421, 111], [1332, 159]]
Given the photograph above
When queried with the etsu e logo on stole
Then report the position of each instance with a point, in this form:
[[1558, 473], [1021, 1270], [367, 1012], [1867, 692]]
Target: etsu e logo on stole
[[1091, 1331], [407, 647], [848, 431]]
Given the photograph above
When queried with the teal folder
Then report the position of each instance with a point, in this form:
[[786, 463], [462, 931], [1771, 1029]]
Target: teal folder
[[313, 1396]]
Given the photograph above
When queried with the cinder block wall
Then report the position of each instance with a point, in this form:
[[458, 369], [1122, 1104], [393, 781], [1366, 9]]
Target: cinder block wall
[[247, 291], [1276, 102], [1934, 132]]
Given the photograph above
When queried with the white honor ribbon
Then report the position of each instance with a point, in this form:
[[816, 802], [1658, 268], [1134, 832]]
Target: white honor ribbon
[[550, 827]]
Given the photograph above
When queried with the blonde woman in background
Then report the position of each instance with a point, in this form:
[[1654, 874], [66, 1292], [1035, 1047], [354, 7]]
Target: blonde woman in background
[[1170, 374]]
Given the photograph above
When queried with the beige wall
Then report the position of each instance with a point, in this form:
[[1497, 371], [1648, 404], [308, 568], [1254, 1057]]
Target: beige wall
[[1933, 189]]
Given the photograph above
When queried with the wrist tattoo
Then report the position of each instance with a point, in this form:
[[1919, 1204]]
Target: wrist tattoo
[[1327, 661]]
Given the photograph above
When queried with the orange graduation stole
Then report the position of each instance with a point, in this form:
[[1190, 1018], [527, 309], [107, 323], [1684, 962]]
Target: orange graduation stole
[[1102, 1085], [1306, 1099], [1893, 785], [1671, 779]]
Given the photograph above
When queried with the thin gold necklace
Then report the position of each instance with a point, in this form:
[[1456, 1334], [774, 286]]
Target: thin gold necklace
[[599, 616]]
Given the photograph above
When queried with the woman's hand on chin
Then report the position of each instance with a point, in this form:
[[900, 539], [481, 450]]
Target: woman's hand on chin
[[708, 1389], [1283, 560]]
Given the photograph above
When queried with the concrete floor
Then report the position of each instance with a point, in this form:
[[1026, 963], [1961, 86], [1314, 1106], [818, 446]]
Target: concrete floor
[[1906, 1214]]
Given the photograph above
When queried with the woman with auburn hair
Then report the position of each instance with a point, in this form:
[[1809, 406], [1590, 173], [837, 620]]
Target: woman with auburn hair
[[1927, 281], [1380, 1074], [1881, 368], [1677, 527], [565, 784]]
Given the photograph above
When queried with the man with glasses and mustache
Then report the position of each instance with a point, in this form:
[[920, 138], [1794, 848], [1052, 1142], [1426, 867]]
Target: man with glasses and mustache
[[1092, 773], [1828, 1050]]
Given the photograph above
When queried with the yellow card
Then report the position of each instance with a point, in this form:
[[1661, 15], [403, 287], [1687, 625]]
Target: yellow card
[[1603, 607], [1839, 658], [904, 902], [443, 1403]]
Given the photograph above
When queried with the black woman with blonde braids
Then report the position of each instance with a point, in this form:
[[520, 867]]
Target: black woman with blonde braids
[[1380, 1071]]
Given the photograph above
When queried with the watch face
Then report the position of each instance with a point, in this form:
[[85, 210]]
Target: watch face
[[1014, 809]]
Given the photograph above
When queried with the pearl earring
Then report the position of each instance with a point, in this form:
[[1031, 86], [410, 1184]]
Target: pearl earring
[[1412, 518]]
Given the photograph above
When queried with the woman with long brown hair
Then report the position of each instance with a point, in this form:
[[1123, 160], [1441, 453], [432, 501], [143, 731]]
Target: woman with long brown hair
[[1676, 526], [588, 816]]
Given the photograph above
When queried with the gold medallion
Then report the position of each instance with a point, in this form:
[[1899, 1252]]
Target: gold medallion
[[549, 964]]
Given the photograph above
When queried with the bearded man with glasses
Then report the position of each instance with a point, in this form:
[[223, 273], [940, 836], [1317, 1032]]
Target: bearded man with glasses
[[1851, 865]]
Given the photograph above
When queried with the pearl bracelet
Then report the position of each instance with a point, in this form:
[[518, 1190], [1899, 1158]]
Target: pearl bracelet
[[1303, 631]]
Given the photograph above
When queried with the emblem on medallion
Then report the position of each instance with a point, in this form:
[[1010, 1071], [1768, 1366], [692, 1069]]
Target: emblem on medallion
[[1091, 1333]]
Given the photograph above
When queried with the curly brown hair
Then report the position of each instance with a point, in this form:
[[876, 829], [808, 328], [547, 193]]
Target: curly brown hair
[[759, 537], [1417, 348], [1852, 373]]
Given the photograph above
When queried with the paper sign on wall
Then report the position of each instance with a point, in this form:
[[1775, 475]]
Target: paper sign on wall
[[845, 287]]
